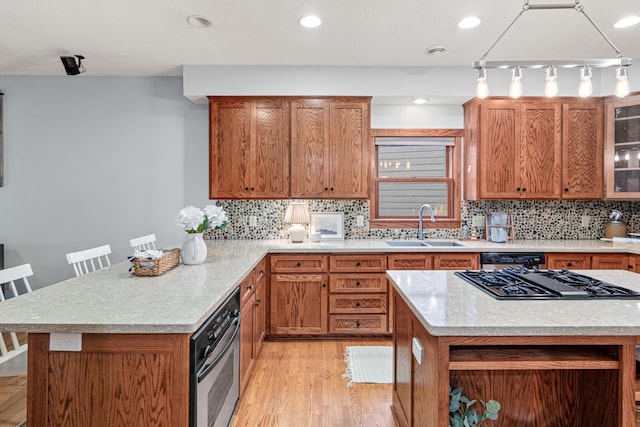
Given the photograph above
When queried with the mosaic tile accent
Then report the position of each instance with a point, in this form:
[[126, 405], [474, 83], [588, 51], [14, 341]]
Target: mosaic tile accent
[[533, 219]]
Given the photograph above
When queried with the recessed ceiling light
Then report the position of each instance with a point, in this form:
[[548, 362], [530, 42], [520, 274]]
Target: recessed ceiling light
[[627, 22], [310, 21], [420, 100], [198, 21], [469, 22], [436, 50]]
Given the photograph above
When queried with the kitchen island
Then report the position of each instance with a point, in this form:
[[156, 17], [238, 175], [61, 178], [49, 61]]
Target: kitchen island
[[549, 363], [134, 331]]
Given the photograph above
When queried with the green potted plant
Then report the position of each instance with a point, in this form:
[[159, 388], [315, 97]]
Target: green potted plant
[[462, 413]]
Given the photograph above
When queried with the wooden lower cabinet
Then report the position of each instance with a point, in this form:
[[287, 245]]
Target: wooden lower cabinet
[[299, 304], [568, 261], [253, 320], [456, 261], [539, 381], [613, 262], [116, 380]]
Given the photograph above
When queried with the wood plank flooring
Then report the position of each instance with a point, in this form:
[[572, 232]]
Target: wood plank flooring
[[299, 383], [13, 400]]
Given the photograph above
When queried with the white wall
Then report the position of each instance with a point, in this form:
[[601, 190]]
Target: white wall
[[92, 161]]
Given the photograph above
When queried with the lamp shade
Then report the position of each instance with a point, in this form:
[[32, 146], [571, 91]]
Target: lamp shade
[[297, 213]]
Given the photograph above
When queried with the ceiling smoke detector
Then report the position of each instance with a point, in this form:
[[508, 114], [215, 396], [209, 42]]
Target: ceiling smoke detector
[[435, 50]]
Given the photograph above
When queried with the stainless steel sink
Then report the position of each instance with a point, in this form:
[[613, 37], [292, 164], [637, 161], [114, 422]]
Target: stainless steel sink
[[429, 243]]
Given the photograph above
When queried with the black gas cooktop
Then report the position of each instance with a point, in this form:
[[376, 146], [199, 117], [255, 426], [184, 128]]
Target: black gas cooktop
[[523, 283]]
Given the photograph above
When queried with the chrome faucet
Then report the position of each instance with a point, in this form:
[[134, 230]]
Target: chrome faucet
[[433, 219]]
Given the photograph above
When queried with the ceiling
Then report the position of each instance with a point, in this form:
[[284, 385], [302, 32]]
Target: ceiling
[[152, 37]]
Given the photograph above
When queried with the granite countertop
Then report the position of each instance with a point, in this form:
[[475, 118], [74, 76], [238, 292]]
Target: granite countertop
[[115, 301], [447, 305]]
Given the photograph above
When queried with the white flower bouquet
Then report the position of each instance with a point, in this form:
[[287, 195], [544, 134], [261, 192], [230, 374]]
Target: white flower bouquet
[[195, 220]]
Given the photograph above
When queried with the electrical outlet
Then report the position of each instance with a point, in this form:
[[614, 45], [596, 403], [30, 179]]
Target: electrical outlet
[[478, 221], [253, 221], [360, 221], [65, 342], [585, 221]]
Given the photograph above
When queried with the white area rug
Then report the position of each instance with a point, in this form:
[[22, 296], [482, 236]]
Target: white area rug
[[369, 364]]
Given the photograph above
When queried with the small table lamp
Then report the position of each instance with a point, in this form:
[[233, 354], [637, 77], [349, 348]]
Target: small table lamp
[[297, 215]]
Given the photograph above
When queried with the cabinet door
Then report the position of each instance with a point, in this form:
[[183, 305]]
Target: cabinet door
[[299, 263], [269, 149], [246, 340], [569, 261], [299, 304], [612, 262], [403, 360], [259, 316], [622, 151], [349, 149], [582, 150], [458, 261], [410, 262], [499, 164], [540, 150], [229, 149], [310, 148]]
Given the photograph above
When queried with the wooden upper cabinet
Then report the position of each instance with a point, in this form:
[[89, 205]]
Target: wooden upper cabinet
[[582, 150], [330, 153], [540, 150], [622, 147], [533, 148], [248, 148]]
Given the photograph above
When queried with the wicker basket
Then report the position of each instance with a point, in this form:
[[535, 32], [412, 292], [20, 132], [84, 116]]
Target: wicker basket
[[157, 266]]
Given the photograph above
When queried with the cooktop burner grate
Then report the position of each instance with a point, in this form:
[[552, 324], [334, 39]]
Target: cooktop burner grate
[[522, 283]]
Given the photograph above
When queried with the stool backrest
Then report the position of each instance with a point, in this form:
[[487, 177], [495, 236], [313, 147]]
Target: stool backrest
[[16, 278], [85, 261], [143, 243]]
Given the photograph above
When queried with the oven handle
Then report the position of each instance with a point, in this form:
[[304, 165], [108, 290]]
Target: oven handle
[[216, 355]]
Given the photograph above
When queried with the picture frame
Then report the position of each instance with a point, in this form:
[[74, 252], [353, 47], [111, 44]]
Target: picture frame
[[330, 225]]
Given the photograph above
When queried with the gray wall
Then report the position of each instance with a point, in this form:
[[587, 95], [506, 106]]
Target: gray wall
[[92, 161]]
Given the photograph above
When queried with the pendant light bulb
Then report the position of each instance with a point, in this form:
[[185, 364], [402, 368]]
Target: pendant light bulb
[[482, 87], [551, 82], [622, 82], [586, 87], [515, 90]]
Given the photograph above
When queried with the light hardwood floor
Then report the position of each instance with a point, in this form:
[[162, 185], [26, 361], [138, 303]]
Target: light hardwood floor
[[298, 383], [13, 400]]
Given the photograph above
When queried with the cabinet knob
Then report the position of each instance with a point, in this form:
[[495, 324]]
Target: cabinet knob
[[357, 283], [252, 188], [518, 189], [324, 285], [357, 304], [326, 188], [261, 271], [358, 264], [630, 267], [524, 189], [566, 190], [298, 264], [358, 325], [249, 286], [246, 188], [569, 264], [331, 188]]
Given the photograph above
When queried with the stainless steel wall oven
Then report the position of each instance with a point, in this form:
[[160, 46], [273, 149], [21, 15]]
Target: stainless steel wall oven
[[215, 366]]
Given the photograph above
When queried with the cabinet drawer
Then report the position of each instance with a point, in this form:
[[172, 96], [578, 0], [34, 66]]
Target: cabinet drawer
[[246, 289], [260, 271], [410, 262], [455, 262], [579, 261], [358, 283], [298, 263], [357, 324], [357, 263], [352, 304]]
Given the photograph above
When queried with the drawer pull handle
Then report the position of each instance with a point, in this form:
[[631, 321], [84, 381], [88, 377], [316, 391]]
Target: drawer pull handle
[[261, 271], [257, 303], [249, 287]]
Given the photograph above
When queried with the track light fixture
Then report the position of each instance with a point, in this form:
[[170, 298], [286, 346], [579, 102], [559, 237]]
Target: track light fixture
[[621, 62], [70, 66]]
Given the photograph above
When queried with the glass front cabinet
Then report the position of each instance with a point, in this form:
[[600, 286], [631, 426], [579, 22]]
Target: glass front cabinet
[[622, 153]]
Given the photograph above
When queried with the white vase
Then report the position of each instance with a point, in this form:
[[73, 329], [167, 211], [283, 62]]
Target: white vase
[[194, 250]]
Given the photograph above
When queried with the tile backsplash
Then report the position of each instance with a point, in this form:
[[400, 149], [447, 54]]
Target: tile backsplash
[[533, 219]]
